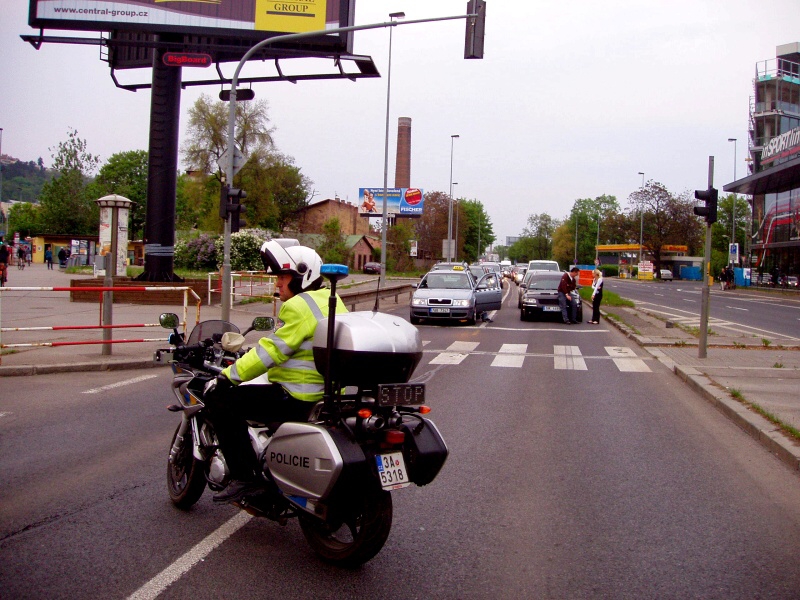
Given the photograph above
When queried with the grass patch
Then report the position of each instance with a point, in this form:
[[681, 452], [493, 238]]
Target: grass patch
[[680, 343], [609, 298], [739, 345], [774, 419], [765, 342], [777, 365]]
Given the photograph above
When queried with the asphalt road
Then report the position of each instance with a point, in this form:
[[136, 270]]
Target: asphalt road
[[578, 468], [756, 313]]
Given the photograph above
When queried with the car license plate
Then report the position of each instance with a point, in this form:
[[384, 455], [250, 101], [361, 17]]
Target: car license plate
[[440, 310], [401, 394], [551, 308], [392, 471]]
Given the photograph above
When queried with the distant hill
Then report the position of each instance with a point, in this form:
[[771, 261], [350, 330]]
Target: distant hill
[[23, 181]]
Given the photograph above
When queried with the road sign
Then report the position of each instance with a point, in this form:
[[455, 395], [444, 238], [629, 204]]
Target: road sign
[[238, 161]]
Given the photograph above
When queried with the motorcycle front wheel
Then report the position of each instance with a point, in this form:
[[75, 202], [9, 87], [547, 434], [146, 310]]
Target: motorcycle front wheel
[[357, 537], [185, 478]]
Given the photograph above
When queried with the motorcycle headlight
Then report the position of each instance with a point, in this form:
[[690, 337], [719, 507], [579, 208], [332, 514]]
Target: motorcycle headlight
[[419, 302], [461, 302]]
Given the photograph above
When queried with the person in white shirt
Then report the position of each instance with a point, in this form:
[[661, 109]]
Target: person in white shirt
[[597, 295]]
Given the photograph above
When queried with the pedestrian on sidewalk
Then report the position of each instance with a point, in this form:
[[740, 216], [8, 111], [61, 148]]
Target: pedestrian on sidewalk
[[48, 258], [597, 295]]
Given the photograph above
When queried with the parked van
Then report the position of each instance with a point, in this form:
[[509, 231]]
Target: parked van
[[543, 265]]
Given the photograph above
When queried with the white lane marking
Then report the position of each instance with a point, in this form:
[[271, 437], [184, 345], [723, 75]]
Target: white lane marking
[[111, 386], [462, 346], [737, 308], [508, 360], [4, 414], [687, 300], [425, 342], [176, 570], [448, 358], [626, 360], [514, 348], [568, 358]]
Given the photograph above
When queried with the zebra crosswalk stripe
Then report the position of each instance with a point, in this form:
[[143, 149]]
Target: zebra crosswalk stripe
[[568, 358], [626, 360]]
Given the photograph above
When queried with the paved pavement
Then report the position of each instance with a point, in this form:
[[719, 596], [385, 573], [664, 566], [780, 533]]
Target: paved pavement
[[765, 376]]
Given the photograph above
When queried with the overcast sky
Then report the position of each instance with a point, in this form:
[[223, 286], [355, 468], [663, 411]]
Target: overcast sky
[[572, 99]]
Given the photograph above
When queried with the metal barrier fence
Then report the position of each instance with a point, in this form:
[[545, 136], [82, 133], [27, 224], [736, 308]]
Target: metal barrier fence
[[186, 291], [244, 284]]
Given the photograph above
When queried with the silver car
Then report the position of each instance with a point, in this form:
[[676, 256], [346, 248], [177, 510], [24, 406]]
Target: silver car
[[454, 295]]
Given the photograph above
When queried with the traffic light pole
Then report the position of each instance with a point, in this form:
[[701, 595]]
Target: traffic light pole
[[705, 297]]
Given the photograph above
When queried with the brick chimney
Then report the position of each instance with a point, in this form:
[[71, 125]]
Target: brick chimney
[[402, 170]]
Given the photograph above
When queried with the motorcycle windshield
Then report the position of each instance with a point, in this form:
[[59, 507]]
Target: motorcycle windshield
[[207, 329]]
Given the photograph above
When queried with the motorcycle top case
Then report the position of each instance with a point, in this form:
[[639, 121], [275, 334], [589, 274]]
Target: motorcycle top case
[[371, 348]]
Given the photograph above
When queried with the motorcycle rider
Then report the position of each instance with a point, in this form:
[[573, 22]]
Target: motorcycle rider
[[285, 355]]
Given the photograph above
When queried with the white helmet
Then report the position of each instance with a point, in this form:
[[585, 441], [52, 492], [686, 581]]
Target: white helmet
[[302, 263]]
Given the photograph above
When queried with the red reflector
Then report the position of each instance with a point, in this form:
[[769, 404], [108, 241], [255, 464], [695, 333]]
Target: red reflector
[[395, 437], [424, 409], [365, 413]]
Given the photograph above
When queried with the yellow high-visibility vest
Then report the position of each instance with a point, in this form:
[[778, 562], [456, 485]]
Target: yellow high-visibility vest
[[286, 355]]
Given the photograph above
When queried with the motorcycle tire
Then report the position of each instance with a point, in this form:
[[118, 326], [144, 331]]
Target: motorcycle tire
[[185, 478], [358, 537]]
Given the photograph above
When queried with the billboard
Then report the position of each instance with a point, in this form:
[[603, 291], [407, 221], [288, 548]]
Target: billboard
[[400, 202], [253, 19]]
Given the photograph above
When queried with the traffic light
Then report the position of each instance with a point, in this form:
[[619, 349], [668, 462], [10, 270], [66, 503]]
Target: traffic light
[[230, 203], [473, 46], [709, 211]]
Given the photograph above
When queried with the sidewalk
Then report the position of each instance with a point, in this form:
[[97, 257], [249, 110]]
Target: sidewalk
[[766, 376]]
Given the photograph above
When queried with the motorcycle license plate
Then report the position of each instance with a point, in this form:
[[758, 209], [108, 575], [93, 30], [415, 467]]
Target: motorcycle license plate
[[551, 308], [392, 471], [401, 394]]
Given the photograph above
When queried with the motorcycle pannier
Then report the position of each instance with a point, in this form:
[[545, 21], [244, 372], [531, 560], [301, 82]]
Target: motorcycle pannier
[[425, 450], [371, 348]]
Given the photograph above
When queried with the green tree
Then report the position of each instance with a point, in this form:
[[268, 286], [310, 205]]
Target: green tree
[[66, 207], [125, 174], [276, 189], [431, 227], [333, 248], [398, 240], [475, 230], [25, 218], [536, 241]]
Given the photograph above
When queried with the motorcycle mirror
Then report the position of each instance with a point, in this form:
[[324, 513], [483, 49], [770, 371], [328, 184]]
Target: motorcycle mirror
[[169, 320], [263, 324]]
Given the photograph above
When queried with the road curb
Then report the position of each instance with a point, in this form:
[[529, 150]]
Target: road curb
[[105, 365]]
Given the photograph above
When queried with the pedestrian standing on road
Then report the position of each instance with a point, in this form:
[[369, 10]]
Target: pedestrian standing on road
[[62, 258], [48, 258], [597, 295], [3, 263], [569, 281]]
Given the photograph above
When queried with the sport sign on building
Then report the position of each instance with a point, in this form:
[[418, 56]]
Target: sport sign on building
[[781, 146], [400, 202]]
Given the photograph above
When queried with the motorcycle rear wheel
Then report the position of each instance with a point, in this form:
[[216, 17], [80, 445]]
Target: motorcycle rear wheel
[[185, 478], [358, 537]]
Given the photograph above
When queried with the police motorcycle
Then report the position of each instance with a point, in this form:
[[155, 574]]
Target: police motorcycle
[[335, 473]]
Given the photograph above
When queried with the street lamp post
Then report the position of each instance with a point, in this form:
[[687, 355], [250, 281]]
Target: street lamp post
[[455, 250], [733, 209], [385, 211], [641, 221], [450, 204]]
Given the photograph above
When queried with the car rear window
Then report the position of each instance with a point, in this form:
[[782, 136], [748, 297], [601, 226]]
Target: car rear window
[[447, 281]]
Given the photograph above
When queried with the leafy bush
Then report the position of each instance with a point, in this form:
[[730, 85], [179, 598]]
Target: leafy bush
[[245, 247], [198, 254]]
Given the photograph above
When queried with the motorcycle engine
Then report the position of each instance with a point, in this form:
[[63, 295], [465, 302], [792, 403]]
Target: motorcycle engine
[[218, 473]]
